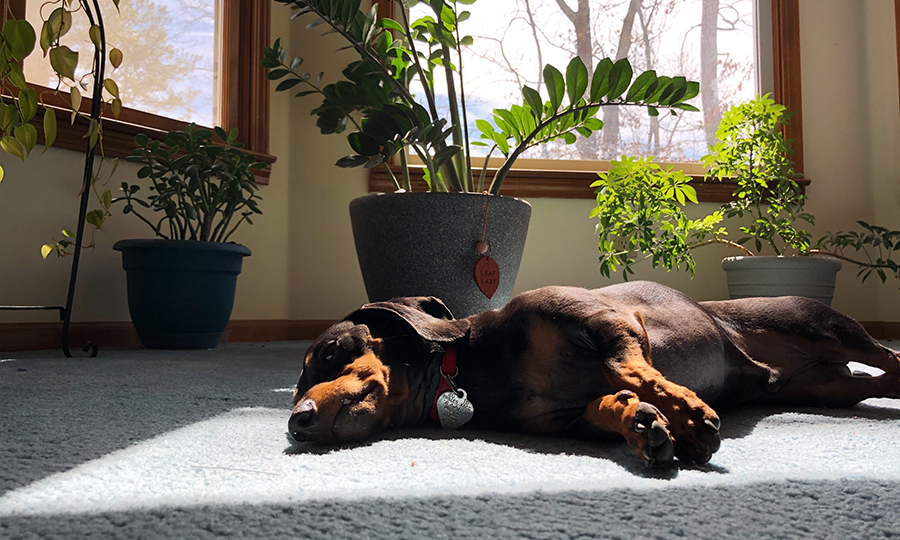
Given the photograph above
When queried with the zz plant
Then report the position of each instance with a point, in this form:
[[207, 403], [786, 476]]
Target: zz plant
[[640, 205], [199, 188], [398, 59]]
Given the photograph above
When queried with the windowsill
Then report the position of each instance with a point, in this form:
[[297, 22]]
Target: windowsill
[[525, 183], [118, 137]]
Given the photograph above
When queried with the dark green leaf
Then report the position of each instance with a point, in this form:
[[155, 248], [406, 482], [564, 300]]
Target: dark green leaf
[[556, 86], [620, 78], [600, 81], [576, 80], [639, 86], [534, 101]]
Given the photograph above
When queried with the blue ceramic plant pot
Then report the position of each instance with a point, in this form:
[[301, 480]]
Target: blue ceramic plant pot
[[180, 292]]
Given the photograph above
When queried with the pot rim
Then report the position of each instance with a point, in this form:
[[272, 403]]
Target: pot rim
[[781, 260], [165, 243], [439, 194]]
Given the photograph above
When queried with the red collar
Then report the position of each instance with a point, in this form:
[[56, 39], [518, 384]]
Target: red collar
[[448, 369]]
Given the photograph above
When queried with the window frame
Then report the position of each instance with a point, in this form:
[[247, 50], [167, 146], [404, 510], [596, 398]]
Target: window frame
[[245, 92], [569, 184]]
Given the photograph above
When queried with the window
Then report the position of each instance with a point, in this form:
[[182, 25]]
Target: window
[[185, 61], [711, 41]]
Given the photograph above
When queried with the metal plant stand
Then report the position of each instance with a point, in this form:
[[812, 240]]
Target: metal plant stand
[[65, 312], [95, 18]]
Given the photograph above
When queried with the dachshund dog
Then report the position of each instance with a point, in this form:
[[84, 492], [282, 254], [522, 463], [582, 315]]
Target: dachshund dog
[[636, 359]]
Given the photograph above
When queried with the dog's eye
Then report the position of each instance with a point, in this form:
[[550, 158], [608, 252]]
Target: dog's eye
[[329, 351]]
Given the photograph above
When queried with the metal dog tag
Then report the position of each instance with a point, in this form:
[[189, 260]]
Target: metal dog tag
[[454, 409]]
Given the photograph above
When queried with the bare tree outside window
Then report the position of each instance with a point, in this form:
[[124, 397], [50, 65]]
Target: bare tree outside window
[[169, 48], [711, 41]]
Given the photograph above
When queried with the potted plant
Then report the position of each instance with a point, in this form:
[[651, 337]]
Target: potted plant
[[640, 211], [20, 104], [400, 237], [181, 284]]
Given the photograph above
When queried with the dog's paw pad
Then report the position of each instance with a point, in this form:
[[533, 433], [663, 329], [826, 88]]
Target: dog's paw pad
[[655, 441]]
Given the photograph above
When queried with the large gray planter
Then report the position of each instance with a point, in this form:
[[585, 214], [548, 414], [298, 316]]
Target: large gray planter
[[423, 244], [813, 277]]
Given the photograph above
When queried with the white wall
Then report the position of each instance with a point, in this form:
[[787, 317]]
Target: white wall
[[304, 264]]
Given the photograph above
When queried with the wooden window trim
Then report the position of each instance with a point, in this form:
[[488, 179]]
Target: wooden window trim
[[245, 97], [576, 184], [897, 31]]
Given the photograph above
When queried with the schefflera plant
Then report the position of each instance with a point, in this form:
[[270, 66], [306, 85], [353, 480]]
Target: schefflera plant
[[401, 59]]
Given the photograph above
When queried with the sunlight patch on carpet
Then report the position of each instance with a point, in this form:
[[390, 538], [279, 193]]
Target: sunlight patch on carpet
[[238, 458]]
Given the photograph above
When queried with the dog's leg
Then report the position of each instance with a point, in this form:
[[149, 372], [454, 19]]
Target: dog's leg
[[832, 384], [808, 346], [644, 427], [626, 351]]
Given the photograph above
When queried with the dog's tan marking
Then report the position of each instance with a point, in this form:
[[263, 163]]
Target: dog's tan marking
[[690, 419], [361, 389], [616, 412]]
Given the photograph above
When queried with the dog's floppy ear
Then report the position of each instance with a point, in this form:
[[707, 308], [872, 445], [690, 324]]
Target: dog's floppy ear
[[424, 316], [428, 304]]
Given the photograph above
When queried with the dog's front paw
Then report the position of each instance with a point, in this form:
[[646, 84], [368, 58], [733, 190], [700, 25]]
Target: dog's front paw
[[695, 427], [644, 427]]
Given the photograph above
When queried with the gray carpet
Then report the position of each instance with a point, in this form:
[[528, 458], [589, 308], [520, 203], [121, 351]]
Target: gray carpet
[[163, 444]]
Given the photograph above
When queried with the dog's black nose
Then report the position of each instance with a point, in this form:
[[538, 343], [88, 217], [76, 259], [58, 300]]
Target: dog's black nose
[[303, 420]]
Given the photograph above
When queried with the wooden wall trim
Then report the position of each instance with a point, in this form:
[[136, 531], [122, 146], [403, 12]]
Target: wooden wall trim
[[556, 184], [786, 45], [46, 336]]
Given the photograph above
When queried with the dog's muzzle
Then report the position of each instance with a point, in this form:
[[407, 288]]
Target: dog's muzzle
[[304, 424]]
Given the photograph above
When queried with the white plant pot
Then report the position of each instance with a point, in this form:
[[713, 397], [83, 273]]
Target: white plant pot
[[813, 277]]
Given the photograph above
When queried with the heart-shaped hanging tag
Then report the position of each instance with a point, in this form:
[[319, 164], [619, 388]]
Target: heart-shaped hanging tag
[[454, 409], [487, 275]]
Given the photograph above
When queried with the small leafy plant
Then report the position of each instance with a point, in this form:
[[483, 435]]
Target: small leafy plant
[[640, 205], [401, 58], [751, 149], [199, 187]]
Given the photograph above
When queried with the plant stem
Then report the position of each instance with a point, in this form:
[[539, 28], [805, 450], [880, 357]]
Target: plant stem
[[429, 92], [526, 143], [391, 174], [735, 245], [407, 185], [468, 179], [845, 258]]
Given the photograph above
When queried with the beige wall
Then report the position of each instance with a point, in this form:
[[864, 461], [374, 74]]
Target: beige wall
[[304, 265]]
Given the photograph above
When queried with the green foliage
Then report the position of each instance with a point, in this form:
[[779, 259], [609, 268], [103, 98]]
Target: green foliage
[[198, 187], [640, 211], [878, 244], [19, 104], [640, 205], [752, 150], [376, 99]]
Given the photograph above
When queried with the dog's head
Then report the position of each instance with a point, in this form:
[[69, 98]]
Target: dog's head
[[355, 377]]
